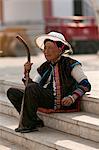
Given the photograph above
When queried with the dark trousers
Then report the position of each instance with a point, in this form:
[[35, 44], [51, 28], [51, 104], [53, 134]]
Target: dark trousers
[[26, 102]]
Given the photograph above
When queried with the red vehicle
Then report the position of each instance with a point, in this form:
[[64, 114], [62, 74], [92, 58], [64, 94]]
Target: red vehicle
[[80, 31]]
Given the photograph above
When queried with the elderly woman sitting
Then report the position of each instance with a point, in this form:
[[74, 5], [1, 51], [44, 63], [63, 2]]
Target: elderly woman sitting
[[58, 86]]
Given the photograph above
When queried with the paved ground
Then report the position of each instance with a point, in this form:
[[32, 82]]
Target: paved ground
[[11, 68]]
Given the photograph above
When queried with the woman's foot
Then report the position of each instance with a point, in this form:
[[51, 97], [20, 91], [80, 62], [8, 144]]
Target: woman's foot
[[26, 129]]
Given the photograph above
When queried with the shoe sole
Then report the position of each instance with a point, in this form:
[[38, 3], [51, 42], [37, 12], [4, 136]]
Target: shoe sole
[[28, 131]]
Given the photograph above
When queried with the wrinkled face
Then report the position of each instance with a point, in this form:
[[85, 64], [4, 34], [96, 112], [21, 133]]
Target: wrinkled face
[[51, 51]]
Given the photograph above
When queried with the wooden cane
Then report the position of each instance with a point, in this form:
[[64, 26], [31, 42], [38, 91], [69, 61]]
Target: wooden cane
[[26, 75], [28, 55]]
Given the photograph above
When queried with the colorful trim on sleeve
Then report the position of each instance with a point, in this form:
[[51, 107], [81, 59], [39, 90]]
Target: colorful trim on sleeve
[[74, 64], [83, 87]]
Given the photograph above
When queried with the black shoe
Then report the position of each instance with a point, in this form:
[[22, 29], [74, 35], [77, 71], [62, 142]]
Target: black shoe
[[18, 129], [26, 129]]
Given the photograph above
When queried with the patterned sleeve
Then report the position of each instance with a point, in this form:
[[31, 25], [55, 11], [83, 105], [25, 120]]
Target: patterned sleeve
[[83, 83], [83, 87]]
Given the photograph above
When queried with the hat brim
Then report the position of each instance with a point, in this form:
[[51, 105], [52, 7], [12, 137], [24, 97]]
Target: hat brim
[[40, 41]]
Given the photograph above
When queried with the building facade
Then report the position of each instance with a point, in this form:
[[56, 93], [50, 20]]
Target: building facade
[[37, 10]]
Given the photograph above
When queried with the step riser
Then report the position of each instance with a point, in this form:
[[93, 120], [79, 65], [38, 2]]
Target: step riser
[[21, 140], [8, 110], [7, 145], [77, 128], [5, 85], [90, 107]]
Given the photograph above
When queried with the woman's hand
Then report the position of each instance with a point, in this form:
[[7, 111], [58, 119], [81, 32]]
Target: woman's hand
[[27, 67], [67, 101]]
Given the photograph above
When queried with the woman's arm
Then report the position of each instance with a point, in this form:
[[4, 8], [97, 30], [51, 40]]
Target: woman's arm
[[83, 83]]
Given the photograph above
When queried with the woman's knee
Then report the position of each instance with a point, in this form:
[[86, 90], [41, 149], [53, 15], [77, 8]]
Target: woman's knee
[[14, 93], [9, 92], [32, 86]]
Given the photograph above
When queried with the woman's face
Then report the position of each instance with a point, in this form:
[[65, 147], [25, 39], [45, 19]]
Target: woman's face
[[51, 51]]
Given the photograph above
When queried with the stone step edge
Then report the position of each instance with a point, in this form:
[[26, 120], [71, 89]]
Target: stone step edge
[[7, 145], [67, 125], [90, 98], [56, 116], [60, 139], [8, 133]]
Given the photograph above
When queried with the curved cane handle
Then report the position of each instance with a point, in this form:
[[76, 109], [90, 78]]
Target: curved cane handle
[[28, 55], [26, 46]]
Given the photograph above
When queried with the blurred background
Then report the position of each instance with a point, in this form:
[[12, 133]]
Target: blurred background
[[78, 20]]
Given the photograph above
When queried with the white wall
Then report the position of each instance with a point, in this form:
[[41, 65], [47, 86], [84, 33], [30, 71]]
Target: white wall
[[62, 8], [32, 10], [22, 10], [88, 9]]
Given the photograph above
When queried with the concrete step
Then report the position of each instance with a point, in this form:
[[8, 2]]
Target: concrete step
[[81, 124], [6, 145], [89, 102], [5, 85], [44, 139]]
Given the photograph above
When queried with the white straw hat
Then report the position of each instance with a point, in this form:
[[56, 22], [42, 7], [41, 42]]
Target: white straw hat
[[55, 36]]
